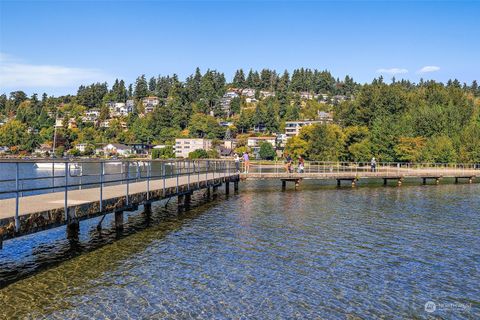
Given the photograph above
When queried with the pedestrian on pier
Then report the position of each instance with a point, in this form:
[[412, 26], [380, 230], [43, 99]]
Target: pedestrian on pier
[[373, 165], [246, 159], [288, 163], [301, 164], [237, 162]]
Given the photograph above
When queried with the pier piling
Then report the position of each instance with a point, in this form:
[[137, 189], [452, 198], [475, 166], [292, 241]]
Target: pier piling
[[119, 220]]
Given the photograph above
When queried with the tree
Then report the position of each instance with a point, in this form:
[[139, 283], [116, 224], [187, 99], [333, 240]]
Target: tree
[[410, 149], [198, 154], [326, 142], [141, 88], [439, 149], [16, 134], [164, 153], [296, 147], [267, 152], [239, 79]]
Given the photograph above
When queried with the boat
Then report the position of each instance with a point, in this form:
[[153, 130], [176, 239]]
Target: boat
[[57, 166]]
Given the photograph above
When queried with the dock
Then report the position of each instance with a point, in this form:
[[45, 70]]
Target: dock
[[75, 200]]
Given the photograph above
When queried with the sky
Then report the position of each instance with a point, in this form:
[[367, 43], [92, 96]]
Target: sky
[[54, 46]]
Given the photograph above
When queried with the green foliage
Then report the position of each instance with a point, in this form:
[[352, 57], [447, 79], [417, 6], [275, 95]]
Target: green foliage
[[410, 149], [204, 126], [326, 143], [213, 154], [439, 149], [267, 152], [164, 153], [15, 134], [198, 154]]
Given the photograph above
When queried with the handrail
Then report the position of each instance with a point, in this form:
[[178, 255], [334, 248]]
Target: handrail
[[135, 171]]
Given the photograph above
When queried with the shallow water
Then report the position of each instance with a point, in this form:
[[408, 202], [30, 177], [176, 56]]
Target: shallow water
[[320, 252]]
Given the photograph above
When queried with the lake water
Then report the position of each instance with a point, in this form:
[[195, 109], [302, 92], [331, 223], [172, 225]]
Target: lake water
[[317, 253]]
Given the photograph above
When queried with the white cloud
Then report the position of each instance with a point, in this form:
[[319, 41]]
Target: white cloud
[[428, 69], [18, 74], [392, 71]]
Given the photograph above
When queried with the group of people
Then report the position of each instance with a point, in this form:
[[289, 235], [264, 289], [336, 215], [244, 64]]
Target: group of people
[[289, 163], [246, 160]]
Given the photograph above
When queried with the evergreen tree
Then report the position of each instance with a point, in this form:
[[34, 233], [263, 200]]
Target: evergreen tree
[[141, 88], [239, 79]]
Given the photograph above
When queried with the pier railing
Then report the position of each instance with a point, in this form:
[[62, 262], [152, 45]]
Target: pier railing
[[32, 177], [383, 168]]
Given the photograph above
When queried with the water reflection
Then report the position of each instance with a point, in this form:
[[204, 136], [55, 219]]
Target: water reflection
[[323, 252]]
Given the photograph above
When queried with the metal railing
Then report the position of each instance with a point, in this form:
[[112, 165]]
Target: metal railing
[[32, 177], [385, 168]]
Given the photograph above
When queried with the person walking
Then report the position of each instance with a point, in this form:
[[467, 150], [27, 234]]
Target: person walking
[[301, 164], [373, 164], [237, 162], [246, 159]]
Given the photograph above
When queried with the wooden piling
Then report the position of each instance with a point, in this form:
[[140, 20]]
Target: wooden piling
[[119, 220]]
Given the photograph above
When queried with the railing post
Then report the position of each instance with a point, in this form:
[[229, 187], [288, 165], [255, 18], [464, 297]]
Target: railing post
[[176, 171], [67, 171], [164, 174], [127, 172], [149, 173], [102, 173], [188, 178], [17, 186], [53, 176]]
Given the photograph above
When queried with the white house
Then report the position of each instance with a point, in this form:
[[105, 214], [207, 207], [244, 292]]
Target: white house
[[150, 101], [117, 149], [184, 146], [248, 92], [292, 128]]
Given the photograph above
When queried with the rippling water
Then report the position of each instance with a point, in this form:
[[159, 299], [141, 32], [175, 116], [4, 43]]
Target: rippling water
[[369, 252]]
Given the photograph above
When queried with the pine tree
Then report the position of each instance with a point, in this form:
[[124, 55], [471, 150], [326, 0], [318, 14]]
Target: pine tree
[[239, 79], [141, 88]]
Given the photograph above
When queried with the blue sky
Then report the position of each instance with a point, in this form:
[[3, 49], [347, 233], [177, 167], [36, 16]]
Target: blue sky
[[55, 46]]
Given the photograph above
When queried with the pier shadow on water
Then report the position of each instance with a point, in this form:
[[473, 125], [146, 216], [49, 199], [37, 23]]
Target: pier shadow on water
[[31, 254]]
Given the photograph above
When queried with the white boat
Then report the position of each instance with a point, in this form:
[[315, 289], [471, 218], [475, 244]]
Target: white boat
[[58, 166]]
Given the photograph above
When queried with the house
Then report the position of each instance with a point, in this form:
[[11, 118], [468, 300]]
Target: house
[[184, 146], [82, 147], [325, 117], [130, 104], [117, 149], [140, 148], [149, 109], [254, 144], [91, 115], [259, 128], [251, 100], [4, 149], [281, 140], [43, 150], [151, 101], [248, 92], [230, 95], [226, 123], [266, 94], [292, 128], [306, 95]]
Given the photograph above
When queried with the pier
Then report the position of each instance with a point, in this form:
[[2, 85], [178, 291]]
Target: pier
[[43, 194], [40, 195], [351, 172]]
